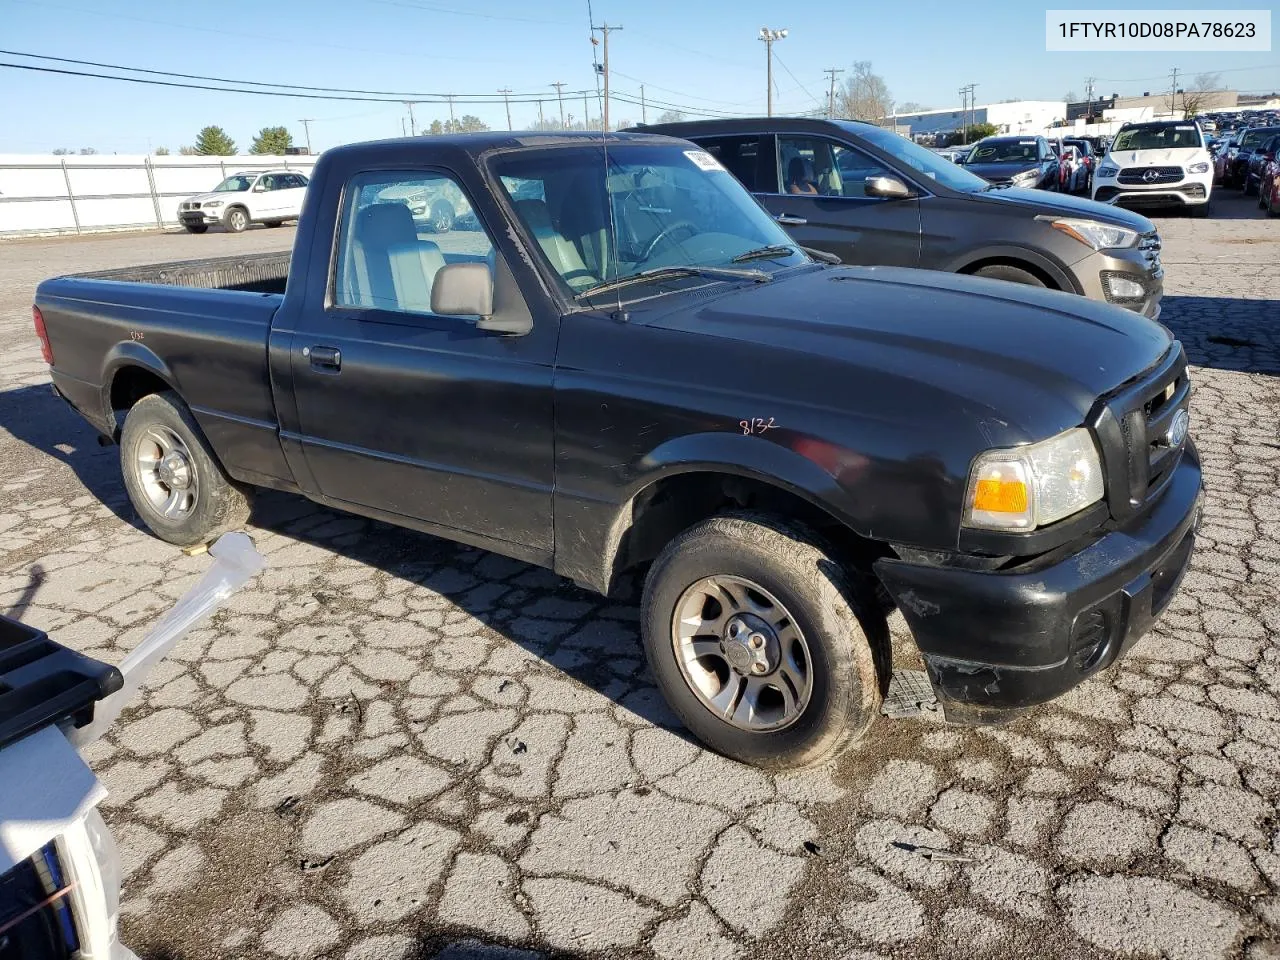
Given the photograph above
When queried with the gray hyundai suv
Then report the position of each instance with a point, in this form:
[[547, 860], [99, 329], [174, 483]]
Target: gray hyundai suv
[[872, 197]]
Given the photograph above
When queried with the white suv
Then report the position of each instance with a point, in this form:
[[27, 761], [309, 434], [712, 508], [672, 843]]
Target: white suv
[[252, 196], [1162, 163]]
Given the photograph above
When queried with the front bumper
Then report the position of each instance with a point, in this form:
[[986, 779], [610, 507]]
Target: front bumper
[[200, 216], [1100, 275], [996, 643], [1191, 191]]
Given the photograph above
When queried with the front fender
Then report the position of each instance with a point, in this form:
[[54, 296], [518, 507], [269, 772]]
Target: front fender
[[589, 533]]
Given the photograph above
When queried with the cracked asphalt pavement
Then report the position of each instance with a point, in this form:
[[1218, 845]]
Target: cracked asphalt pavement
[[390, 746]]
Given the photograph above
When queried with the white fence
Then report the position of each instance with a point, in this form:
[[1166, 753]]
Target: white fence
[[51, 195]]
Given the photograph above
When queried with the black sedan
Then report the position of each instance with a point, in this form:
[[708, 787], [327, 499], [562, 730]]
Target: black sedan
[[1258, 161], [1017, 161], [1237, 169]]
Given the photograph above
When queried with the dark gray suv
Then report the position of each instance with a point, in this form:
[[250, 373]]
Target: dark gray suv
[[872, 197]]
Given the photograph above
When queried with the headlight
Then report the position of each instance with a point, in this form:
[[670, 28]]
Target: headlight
[[1026, 176], [1107, 169], [214, 203], [1099, 236], [1201, 167], [1022, 488]]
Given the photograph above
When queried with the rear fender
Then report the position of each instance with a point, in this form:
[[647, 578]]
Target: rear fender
[[131, 353]]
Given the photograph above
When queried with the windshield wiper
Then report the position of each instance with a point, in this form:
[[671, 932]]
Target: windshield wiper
[[671, 273], [765, 253]]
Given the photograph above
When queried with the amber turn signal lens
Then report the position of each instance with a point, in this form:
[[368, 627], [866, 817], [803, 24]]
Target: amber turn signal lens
[[1000, 496]]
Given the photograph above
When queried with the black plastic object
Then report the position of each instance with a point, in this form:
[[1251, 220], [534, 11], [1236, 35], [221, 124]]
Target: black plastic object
[[42, 682]]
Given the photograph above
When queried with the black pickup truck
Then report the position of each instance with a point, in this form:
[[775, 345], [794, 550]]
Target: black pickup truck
[[626, 363]]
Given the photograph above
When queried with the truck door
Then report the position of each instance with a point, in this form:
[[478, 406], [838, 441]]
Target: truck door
[[822, 203], [409, 413]]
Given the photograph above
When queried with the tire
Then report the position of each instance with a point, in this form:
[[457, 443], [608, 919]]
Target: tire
[[196, 227], [442, 216], [236, 220], [210, 503], [275, 223], [1248, 187], [1001, 271], [1200, 210], [840, 626]]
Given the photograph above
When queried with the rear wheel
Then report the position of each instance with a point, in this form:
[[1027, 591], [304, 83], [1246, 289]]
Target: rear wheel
[[237, 220], [176, 484], [442, 216], [1002, 271], [762, 644], [275, 223], [196, 227]]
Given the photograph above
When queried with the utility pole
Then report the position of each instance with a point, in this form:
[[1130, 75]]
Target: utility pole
[[560, 97], [1173, 94], [973, 104], [506, 99], [831, 95], [413, 127], [540, 123], [586, 113], [306, 125], [769, 37], [644, 115], [452, 123], [604, 30]]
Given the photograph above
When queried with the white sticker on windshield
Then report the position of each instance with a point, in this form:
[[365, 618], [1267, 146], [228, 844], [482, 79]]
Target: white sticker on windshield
[[703, 160]]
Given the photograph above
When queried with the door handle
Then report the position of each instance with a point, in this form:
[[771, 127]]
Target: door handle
[[324, 358], [789, 221]]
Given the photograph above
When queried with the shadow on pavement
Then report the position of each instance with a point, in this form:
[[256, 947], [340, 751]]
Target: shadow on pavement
[[1227, 333], [499, 592]]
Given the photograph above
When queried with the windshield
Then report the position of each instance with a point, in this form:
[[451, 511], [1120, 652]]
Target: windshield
[[234, 184], [918, 158], [1004, 151], [1164, 136], [1256, 137], [661, 206]]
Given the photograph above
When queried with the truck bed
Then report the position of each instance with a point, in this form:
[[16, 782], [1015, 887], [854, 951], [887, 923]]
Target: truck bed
[[250, 273]]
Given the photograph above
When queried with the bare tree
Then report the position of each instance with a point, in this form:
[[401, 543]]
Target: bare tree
[[911, 107], [1196, 97], [865, 95], [1070, 97]]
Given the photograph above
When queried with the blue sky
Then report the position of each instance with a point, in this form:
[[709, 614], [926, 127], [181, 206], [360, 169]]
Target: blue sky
[[694, 53]]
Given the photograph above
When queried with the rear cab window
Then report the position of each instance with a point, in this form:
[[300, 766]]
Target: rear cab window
[[397, 230]]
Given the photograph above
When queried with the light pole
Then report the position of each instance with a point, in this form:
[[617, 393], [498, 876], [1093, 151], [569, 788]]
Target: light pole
[[769, 37]]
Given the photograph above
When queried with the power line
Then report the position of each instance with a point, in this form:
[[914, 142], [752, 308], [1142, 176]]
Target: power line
[[432, 8], [797, 81], [252, 83]]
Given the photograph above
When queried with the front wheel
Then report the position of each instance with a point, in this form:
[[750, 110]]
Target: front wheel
[[761, 643], [176, 484], [237, 220], [1001, 271]]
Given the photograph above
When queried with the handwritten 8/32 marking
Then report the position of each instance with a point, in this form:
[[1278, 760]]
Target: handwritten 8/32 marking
[[756, 425]]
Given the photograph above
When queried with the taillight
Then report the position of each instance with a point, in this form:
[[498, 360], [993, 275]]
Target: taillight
[[43, 334]]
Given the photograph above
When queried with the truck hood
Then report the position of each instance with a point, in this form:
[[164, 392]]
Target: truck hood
[[1033, 361], [1040, 202], [1158, 158], [999, 172], [224, 195]]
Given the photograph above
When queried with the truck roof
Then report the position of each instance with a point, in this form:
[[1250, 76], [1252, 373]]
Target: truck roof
[[474, 145]]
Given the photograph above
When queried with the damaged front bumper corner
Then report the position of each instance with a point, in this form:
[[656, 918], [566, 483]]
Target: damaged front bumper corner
[[998, 642]]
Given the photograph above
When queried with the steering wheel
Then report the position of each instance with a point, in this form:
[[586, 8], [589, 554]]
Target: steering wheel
[[664, 236]]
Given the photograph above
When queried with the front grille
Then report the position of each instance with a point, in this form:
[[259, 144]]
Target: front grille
[[1150, 176], [1195, 191], [1134, 429]]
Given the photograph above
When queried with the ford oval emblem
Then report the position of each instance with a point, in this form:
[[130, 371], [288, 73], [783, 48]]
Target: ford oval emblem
[[1177, 429]]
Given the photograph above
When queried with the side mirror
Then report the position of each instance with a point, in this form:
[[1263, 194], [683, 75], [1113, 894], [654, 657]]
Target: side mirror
[[887, 188], [466, 290]]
